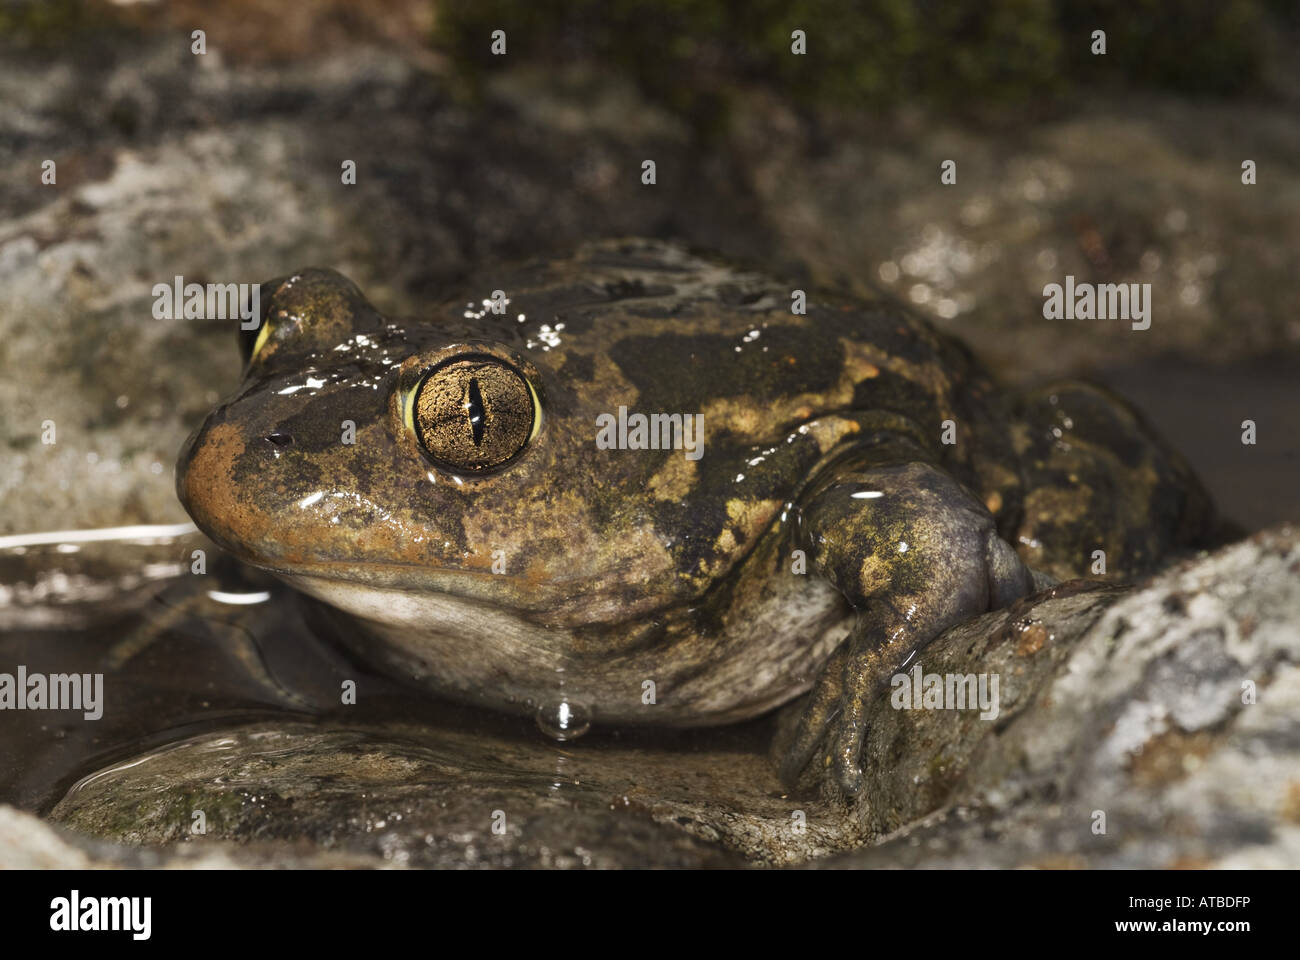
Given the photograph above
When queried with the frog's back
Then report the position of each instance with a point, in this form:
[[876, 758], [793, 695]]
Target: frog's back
[[683, 331], [656, 328], [781, 378]]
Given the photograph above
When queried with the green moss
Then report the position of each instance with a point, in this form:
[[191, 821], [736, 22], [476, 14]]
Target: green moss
[[49, 23], [690, 54], [1195, 46], [123, 818]]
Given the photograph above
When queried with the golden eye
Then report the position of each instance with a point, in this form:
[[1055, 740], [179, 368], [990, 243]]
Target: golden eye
[[474, 414]]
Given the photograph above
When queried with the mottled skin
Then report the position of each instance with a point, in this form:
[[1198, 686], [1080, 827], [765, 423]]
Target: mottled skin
[[823, 434]]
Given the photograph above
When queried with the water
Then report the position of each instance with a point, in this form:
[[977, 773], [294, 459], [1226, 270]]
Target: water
[[563, 719]]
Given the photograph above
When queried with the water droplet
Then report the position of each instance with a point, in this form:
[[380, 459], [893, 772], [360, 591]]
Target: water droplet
[[563, 720]]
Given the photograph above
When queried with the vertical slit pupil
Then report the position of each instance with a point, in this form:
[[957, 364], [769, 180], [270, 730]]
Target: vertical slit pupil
[[475, 410]]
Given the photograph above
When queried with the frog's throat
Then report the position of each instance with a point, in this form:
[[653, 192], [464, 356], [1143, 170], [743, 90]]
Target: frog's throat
[[482, 653]]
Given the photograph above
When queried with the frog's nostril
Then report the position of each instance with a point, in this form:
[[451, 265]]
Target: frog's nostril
[[279, 439]]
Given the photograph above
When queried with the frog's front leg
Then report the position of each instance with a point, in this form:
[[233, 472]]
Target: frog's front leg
[[914, 552]]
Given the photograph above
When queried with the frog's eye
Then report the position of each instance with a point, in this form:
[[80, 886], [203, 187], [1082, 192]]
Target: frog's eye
[[474, 414], [251, 341], [313, 310]]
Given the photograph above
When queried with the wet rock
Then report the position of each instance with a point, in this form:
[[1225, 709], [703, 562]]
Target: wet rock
[[29, 843], [454, 800]]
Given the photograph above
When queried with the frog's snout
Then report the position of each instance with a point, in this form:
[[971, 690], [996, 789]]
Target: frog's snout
[[211, 485]]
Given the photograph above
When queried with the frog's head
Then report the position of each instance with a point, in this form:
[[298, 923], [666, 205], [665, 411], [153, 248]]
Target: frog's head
[[384, 465], [448, 480]]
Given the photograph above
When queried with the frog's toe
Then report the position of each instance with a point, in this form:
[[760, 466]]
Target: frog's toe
[[847, 756], [836, 712], [818, 714], [861, 679]]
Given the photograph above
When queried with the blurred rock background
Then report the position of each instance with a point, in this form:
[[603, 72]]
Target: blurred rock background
[[225, 167]]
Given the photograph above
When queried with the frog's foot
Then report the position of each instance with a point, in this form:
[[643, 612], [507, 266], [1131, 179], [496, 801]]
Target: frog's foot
[[915, 553]]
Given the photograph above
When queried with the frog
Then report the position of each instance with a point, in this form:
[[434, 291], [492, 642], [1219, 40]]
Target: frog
[[855, 484]]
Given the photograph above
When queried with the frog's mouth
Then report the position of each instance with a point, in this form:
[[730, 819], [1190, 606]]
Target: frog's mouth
[[427, 610], [413, 596]]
